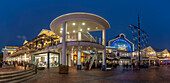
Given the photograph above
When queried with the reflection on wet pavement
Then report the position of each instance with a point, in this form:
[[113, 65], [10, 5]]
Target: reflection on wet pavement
[[148, 75]]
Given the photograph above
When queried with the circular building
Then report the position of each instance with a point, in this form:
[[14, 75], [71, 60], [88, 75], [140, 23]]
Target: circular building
[[75, 38]]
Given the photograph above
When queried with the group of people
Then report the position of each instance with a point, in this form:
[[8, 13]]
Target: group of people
[[14, 63], [3, 63], [86, 65], [133, 66]]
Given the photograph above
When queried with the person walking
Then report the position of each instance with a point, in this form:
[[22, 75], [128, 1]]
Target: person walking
[[14, 63], [87, 65], [133, 66], [126, 66], [130, 65]]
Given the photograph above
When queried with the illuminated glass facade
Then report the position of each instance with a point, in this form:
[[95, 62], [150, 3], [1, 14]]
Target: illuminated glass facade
[[121, 44]]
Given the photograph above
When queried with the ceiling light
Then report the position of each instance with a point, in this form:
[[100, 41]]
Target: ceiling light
[[67, 32], [60, 31], [88, 28], [83, 23], [74, 24], [81, 29], [74, 31]]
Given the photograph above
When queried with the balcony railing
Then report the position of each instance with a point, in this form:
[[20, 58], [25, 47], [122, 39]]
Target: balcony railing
[[82, 36]]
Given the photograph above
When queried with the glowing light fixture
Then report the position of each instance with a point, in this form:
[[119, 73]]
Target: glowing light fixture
[[88, 28], [74, 24], [96, 27], [81, 29], [60, 31], [74, 31], [68, 33], [83, 23]]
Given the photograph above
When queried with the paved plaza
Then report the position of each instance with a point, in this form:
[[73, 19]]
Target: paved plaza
[[145, 75]]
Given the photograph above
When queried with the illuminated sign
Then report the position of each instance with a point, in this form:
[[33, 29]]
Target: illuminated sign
[[121, 44]]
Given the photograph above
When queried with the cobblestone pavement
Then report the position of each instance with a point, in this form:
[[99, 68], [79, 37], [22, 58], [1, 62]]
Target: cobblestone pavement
[[145, 75]]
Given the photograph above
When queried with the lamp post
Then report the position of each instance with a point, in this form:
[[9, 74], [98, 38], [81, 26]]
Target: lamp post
[[136, 31]]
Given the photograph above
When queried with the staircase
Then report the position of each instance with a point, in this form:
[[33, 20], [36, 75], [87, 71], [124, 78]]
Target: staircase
[[17, 76], [92, 61], [86, 60], [88, 37]]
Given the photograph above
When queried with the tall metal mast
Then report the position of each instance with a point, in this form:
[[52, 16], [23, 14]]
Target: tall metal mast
[[136, 33], [139, 38]]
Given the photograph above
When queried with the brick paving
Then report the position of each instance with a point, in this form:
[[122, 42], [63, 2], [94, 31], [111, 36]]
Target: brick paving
[[148, 75]]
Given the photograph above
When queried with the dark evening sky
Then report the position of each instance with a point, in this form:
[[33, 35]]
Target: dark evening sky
[[24, 19]]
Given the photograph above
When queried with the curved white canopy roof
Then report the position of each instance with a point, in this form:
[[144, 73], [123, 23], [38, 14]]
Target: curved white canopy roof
[[90, 19]]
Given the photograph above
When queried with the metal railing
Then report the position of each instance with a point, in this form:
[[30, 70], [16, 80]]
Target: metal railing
[[83, 36]]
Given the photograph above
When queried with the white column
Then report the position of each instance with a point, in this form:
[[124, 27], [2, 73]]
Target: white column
[[79, 57], [60, 58], [104, 50], [64, 45], [79, 36], [79, 53], [69, 60], [60, 40]]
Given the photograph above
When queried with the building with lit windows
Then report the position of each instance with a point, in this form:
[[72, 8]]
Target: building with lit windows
[[7, 51], [155, 56], [35, 51], [149, 55], [164, 57], [68, 43], [121, 49]]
